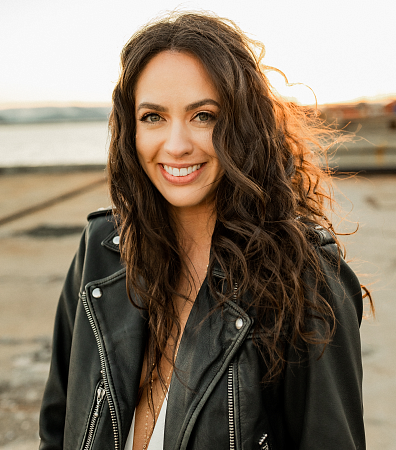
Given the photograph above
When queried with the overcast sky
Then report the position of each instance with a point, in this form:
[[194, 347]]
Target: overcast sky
[[68, 50]]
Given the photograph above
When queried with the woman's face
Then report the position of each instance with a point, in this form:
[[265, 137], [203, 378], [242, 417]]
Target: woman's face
[[176, 110]]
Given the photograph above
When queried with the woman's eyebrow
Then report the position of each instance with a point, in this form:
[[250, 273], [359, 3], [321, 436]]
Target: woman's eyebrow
[[153, 106], [206, 101], [191, 106]]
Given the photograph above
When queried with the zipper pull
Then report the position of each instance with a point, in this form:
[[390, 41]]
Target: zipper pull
[[99, 397], [262, 441], [235, 296]]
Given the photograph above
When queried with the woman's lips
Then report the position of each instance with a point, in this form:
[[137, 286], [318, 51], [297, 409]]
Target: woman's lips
[[181, 175]]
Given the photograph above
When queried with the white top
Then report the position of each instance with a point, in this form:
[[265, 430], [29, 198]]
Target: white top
[[157, 438]]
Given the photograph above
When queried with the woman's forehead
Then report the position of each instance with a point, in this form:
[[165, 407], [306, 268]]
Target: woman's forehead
[[174, 77]]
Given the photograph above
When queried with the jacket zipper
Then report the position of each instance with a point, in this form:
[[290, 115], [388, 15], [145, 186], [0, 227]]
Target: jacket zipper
[[230, 392], [231, 423], [100, 395], [103, 367], [264, 445]]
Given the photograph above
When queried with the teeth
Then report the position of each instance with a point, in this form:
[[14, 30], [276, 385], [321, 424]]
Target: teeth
[[183, 171]]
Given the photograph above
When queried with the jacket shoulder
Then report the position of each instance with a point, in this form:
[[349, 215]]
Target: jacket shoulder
[[100, 213], [318, 235], [102, 228], [342, 287]]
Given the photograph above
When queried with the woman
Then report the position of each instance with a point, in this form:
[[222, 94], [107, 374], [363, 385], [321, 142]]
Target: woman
[[212, 294]]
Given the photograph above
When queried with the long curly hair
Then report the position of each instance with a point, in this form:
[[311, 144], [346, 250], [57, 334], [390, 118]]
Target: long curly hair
[[272, 186]]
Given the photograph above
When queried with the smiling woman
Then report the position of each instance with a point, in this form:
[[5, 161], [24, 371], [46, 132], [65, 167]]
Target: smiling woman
[[176, 110], [210, 308]]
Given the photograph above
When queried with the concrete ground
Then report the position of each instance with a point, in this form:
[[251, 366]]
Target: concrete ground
[[41, 216]]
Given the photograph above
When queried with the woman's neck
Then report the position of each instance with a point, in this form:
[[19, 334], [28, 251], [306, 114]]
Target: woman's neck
[[194, 228]]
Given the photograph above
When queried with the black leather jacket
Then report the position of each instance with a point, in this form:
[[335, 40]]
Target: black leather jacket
[[217, 400]]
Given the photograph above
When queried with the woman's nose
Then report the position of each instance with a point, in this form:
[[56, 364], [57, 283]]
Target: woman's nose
[[178, 142]]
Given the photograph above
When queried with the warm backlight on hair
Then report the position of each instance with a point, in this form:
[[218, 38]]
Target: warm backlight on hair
[[295, 92]]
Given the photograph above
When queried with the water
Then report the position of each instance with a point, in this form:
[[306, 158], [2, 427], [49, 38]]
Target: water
[[80, 143], [47, 144]]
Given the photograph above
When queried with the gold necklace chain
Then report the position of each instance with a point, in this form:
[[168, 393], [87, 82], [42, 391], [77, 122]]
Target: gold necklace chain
[[164, 390]]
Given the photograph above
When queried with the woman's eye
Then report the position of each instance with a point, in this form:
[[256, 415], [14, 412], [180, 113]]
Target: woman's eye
[[204, 117], [151, 118]]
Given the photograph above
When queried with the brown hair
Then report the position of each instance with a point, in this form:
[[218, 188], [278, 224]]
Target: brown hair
[[268, 149]]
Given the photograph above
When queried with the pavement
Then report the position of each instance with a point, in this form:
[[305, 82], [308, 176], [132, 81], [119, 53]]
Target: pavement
[[41, 218]]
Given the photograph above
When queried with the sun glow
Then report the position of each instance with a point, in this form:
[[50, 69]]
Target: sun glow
[[294, 92], [341, 50]]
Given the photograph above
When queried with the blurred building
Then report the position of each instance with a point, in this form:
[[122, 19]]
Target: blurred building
[[342, 114], [372, 129]]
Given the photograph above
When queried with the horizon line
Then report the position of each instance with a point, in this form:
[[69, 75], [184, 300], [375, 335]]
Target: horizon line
[[381, 98]]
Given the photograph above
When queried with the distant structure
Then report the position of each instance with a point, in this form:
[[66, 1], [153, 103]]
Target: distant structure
[[371, 127], [340, 115], [390, 110]]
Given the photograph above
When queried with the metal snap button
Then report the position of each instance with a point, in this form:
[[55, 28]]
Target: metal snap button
[[238, 323], [97, 293], [116, 240]]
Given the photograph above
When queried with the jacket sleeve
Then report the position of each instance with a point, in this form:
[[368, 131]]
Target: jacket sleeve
[[53, 408], [323, 392]]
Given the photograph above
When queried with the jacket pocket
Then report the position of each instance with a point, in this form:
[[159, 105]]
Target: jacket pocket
[[96, 409]]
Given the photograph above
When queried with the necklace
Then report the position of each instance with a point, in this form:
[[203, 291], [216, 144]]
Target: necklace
[[164, 390]]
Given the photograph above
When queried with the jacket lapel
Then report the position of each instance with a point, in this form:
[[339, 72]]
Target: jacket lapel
[[122, 335], [210, 340]]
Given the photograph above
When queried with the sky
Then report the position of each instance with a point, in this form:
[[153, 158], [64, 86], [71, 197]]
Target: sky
[[68, 50]]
